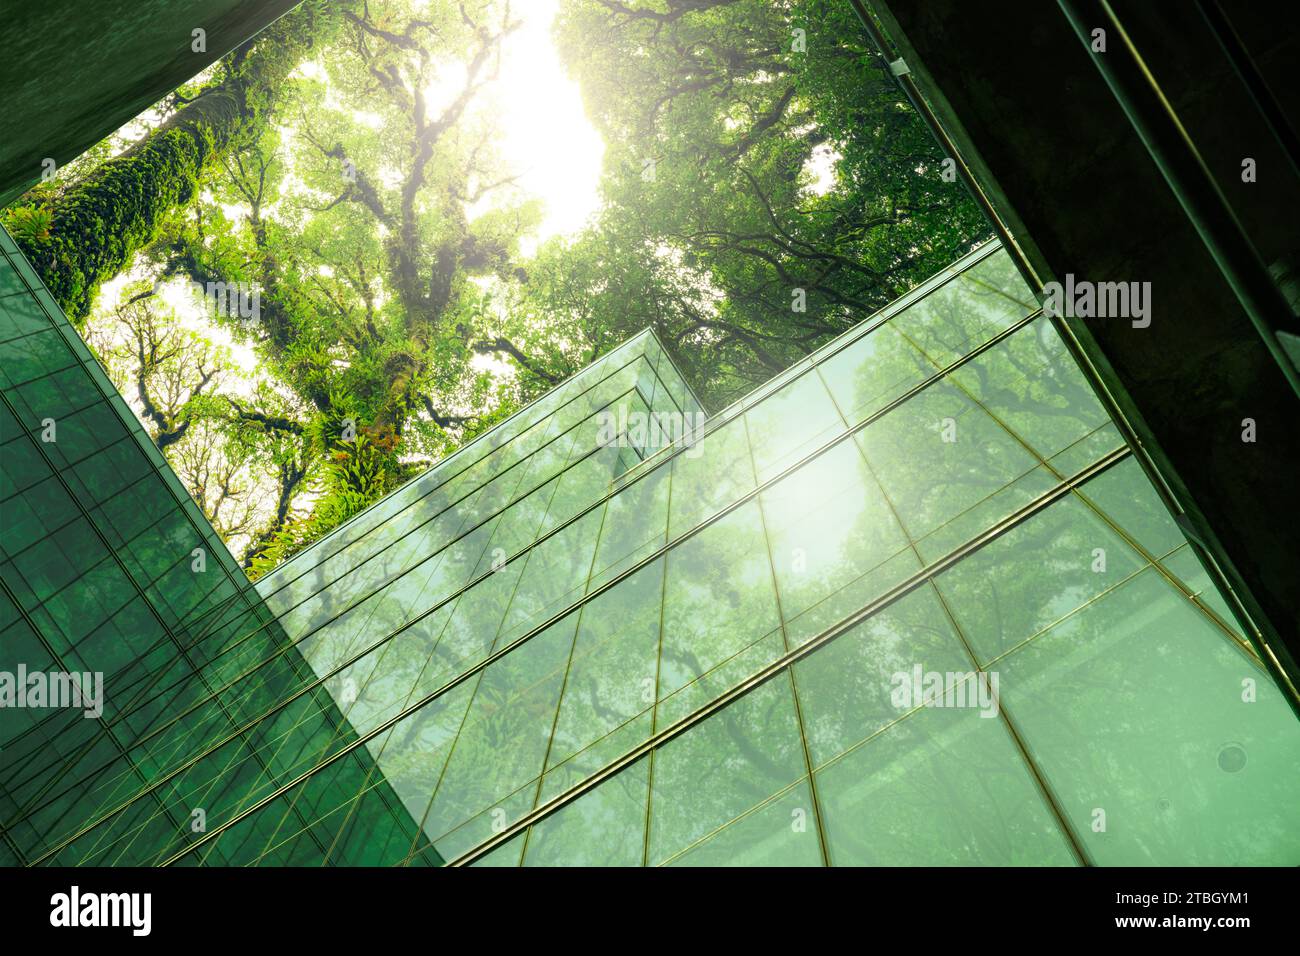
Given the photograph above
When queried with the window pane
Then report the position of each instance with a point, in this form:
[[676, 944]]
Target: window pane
[[723, 768]]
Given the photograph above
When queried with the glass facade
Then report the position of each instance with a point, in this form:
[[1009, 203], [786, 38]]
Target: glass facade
[[911, 602], [109, 568]]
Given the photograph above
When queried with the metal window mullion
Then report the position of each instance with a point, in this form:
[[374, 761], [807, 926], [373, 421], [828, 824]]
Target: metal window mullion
[[804, 650], [898, 401], [822, 844]]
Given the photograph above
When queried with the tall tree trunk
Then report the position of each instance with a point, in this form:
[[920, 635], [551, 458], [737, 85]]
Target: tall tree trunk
[[100, 223]]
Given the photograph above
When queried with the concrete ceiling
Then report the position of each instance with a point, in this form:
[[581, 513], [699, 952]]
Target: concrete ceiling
[[73, 71]]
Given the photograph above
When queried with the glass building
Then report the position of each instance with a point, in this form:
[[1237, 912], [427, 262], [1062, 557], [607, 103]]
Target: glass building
[[911, 602]]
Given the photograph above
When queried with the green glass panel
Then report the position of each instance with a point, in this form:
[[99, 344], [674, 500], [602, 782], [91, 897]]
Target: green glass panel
[[1163, 740], [846, 688], [835, 541], [780, 832], [711, 474], [723, 768], [719, 604], [502, 745], [940, 455], [612, 677], [1184, 564], [1034, 575], [635, 525], [940, 787], [603, 827], [967, 311], [1125, 496], [1030, 385], [873, 371], [790, 424]]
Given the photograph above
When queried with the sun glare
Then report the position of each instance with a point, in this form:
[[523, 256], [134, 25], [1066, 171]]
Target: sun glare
[[544, 136]]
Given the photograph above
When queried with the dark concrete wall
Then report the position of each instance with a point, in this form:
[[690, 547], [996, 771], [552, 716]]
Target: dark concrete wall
[[73, 71]]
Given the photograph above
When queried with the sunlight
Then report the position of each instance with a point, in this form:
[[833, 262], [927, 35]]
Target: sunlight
[[819, 170], [545, 136]]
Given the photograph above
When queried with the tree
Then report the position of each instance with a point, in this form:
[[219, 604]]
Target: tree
[[364, 255], [766, 187], [191, 396], [96, 224], [767, 184]]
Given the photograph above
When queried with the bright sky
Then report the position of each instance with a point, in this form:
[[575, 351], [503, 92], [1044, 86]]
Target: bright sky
[[545, 133]]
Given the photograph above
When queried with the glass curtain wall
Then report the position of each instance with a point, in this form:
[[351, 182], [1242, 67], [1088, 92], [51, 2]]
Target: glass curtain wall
[[108, 568], [911, 602]]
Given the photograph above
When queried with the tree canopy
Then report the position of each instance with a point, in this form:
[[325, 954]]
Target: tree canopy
[[765, 187]]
